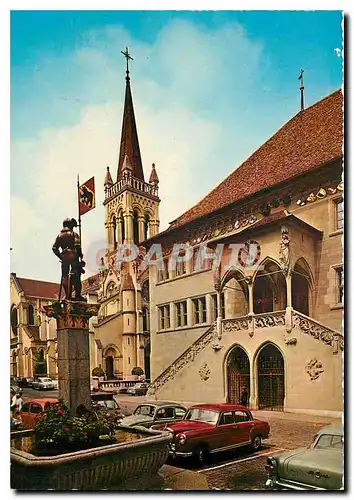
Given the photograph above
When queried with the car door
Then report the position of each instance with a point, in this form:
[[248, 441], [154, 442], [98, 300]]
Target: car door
[[244, 425], [25, 415], [36, 411], [227, 433]]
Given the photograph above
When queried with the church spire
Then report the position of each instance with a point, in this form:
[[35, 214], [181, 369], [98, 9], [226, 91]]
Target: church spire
[[129, 143]]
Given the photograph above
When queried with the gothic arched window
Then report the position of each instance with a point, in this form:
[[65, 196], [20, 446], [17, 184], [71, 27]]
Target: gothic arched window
[[122, 227], [146, 227], [136, 228], [30, 315], [14, 320], [114, 232]]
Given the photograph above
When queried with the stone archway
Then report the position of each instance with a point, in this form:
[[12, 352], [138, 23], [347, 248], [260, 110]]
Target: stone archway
[[238, 374], [269, 289], [301, 284], [270, 376]]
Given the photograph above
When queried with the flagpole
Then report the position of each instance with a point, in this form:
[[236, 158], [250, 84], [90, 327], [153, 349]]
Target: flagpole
[[78, 206]]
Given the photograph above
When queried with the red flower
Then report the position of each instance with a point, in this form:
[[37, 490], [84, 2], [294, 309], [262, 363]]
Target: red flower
[[67, 429], [60, 411]]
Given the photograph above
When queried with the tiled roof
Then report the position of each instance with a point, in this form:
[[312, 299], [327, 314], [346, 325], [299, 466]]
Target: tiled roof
[[35, 288], [310, 139], [91, 284]]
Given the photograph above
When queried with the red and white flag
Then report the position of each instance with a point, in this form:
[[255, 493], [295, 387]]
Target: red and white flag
[[86, 194]]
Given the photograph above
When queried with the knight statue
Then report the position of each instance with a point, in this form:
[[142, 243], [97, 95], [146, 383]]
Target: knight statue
[[67, 247]]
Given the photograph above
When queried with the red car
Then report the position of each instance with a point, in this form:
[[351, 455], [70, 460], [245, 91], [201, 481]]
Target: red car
[[33, 409], [210, 428]]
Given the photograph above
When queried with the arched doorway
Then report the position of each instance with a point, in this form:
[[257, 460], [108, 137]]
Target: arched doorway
[[147, 360], [270, 367], [109, 367], [238, 375]]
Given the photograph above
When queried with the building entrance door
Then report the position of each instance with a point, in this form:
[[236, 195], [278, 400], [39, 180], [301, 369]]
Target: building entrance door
[[271, 390], [109, 367], [238, 375]]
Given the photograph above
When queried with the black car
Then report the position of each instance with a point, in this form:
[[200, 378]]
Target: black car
[[26, 382]]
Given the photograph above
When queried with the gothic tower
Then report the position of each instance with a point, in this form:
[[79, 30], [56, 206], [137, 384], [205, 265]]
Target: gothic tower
[[131, 216]]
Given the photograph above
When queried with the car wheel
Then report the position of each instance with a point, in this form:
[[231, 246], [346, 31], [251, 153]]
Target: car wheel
[[200, 456], [256, 443]]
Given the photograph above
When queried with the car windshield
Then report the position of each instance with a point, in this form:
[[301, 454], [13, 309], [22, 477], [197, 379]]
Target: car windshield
[[209, 416], [329, 441], [147, 410]]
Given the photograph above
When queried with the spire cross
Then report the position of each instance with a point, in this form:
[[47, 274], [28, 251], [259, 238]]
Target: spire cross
[[301, 78], [127, 56]]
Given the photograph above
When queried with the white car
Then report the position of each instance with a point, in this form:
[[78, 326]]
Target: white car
[[43, 383], [139, 389]]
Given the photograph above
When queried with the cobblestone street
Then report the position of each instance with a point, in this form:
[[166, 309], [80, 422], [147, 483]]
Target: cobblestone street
[[243, 470]]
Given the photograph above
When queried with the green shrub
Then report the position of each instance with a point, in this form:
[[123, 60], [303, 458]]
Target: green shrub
[[137, 371], [98, 371]]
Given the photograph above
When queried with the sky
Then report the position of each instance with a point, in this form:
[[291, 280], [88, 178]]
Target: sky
[[208, 88]]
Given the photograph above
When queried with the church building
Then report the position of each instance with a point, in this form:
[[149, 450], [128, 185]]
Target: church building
[[131, 216]]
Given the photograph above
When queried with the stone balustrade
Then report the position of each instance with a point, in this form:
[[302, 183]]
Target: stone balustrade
[[134, 183]]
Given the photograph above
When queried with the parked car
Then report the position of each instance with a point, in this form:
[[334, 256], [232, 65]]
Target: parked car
[[33, 409], [212, 428], [15, 424], [43, 383], [14, 388], [26, 382], [157, 412], [104, 401], [139, 389], [318, 467]]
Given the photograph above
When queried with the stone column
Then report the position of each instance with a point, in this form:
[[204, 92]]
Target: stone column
[[289, 307], [73, 351], [128, 226], [249, 282], [141, 228]]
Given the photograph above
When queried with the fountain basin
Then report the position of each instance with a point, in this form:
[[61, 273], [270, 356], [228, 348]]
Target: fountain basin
[[142, 453]]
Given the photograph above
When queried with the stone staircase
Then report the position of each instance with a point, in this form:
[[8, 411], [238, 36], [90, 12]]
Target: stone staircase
[[250, 323]]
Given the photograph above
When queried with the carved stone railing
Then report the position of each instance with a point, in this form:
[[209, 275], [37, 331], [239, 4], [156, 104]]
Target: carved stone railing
[[236, 324], [318, 331], [271, 319], [137, 184], [183, 360]]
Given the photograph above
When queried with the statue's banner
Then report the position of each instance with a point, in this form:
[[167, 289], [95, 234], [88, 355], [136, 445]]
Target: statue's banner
[[87, 196]]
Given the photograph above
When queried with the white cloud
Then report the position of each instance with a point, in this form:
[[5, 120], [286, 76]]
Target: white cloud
[[176, 90]]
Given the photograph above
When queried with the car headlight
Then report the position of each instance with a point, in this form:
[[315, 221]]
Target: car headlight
[[181, 439], [271, 466]]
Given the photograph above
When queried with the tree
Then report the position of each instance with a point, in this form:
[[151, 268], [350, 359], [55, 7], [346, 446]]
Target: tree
[[137, 371], [40, 364]]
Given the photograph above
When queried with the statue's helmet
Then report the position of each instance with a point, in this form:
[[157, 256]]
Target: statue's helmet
[[70, 223], [67, 223]]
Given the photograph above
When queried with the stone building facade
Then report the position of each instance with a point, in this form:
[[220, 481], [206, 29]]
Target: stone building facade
[[32, 334], [272, 321]]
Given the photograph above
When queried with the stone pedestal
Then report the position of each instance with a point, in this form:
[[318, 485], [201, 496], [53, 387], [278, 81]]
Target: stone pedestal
[[73, 351]]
